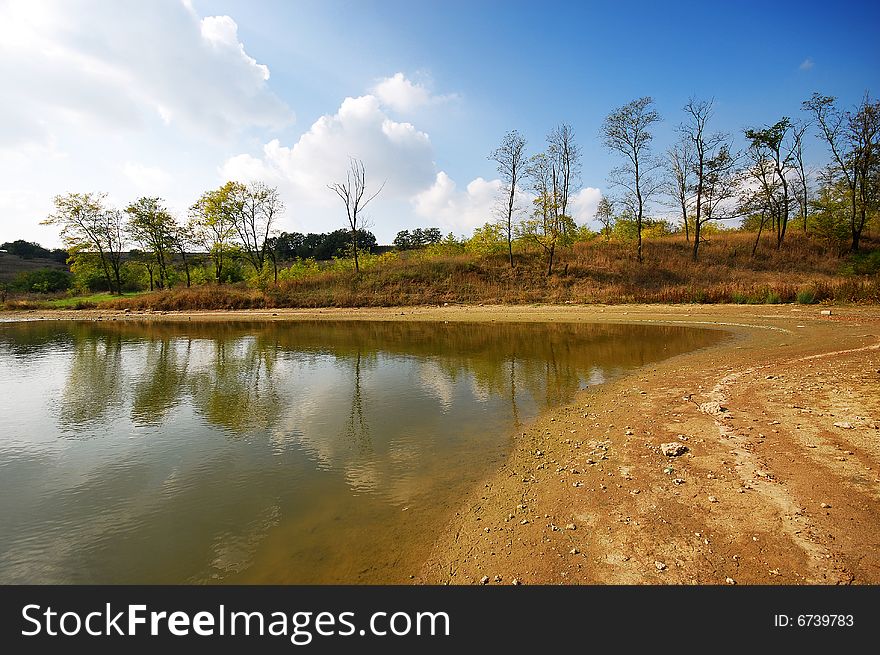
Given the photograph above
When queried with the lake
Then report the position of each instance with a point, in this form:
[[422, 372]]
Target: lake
[[271, 452]]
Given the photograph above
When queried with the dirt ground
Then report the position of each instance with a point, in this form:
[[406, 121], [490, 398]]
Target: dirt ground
[[779, 482]]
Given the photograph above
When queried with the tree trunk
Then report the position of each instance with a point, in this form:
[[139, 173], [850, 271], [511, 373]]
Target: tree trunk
[[510, 222], [354, 244], [758, 238], [696, 240], [550, 260], [186, 268], [639, 230]]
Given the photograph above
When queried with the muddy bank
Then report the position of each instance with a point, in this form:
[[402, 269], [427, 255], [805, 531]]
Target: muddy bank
[[779, 482]]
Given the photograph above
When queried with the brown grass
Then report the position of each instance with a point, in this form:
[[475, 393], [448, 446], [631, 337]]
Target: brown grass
[[594, 272]]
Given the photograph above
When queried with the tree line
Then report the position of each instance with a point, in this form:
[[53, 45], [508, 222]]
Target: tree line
[[702, 176], [232, 224]]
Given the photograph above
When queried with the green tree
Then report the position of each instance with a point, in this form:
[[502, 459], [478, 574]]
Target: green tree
[[627, 131], [853, 137], [605, 216], [87, 226], [212, 219], [771, 150], [153, 228]]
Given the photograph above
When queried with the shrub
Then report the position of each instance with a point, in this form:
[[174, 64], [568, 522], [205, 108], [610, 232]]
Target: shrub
[[806, 296]]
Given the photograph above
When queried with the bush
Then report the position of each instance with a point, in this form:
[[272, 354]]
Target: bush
[[806, 297]]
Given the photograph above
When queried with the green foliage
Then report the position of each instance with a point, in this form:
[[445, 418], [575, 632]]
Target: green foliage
[[44, 280], [33, 250], [862, 264], [830, 218], [293, 245], [418, 238], [487, 240], [806, 296], [300, 268], [772, 298]]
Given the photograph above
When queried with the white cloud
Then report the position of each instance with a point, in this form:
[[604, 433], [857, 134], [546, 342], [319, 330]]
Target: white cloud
[[403, 95], [457, 210], [807, 64], [476, 204], [73, 65], [149, 179], [584, 203], [394, 152]]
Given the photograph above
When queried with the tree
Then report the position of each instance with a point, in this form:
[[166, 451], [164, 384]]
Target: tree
[[418, 238], [679, 184], [512, 161], [153, 229], [257, 206], [88, 226], [545, 225], [212, 219], [627, 131], [182, 239], [25, 249], [830, 216], [853, 137], [565, 162], [771, 151], [713, 166], [353, 192], [802, 192], [605, 215]]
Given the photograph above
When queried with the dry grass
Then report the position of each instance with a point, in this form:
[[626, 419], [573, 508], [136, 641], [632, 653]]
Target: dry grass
[[595, 272]]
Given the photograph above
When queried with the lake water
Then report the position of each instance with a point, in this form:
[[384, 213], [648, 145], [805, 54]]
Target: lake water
[[270, 452]]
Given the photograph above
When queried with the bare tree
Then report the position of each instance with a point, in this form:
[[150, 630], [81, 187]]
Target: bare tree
[[679, 185], [713, 165], [627, 131], [353, 192], [511, 159], [802, 194], [565, 166]]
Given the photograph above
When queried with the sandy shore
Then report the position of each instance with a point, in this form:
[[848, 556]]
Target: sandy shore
[[780, 482]]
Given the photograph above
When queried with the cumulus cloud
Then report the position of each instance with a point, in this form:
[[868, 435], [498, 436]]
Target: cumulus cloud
[[394, 152], [69, 64], [807, 64], [584, 203], [464, 209], [403, 95], [456, 209]]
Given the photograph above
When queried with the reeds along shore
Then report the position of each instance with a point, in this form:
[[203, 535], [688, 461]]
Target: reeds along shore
[[802, 271]]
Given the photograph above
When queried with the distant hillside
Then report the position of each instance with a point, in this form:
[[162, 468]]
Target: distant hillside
[[12, 265]]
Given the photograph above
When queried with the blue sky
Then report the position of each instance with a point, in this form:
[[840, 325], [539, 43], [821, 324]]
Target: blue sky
[[169, 98]]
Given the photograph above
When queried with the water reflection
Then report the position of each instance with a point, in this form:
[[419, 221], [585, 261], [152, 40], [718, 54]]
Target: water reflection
[[269, 452]]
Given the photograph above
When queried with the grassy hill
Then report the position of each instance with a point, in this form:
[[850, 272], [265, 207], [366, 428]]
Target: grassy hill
[[591, 272]]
